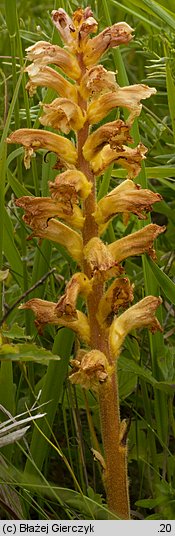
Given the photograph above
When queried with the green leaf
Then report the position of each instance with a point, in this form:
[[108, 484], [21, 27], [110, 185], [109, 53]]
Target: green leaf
[[15, 332], [167, 286], [26, 352]]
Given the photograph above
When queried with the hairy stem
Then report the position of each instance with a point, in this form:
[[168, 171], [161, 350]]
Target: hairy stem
[[115, 478]]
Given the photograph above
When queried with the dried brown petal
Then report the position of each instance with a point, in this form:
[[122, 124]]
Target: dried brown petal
[[136, 243], [119, 294], [115, 134], [46, 313], [79, 284], [127, 197], [63, 114], [91, 370], [40, 209], [69, 184], [96, 81], [126, 97], [42, 53], [140, 315], [99, 258], [113, 36], [127, 157], [75, 31], [48, 77], [34, 139]]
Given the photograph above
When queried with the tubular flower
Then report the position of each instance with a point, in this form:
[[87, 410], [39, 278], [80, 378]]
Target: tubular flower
[[79, 284], [126, 97], [115, 134], [140, 315], [48, 77], [69, 185], [136, 243], [63, 114], [127, 197], [75, 31], [90, 369], [40, 209], [118, 34], [34, 139], [46, 313], [119, 294], [96, 81], [64, 235], [99, 258], [43, 53], [127, 157]]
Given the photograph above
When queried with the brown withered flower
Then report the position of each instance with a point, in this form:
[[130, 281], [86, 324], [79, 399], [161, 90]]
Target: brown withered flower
[[84, 98]]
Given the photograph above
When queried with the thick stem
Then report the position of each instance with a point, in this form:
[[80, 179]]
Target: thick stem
[[115, 450]]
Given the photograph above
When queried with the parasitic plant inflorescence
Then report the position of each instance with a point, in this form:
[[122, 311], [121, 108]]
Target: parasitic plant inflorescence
[[84, 98]]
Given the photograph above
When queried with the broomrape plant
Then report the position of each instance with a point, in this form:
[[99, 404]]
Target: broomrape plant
[[86, 98]]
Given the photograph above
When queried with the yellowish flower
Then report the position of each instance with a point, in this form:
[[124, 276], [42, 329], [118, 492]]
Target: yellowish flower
[[96, 81], [46, 313], [127, 157], [63, 114], [115, 134], [64, 235], [140, 315], [127, 197], [100, 259], [136, 243], [90, 369], [69, 184], [47, 77], [119, 294], [75, 31], [40, 209], [126, 97], [34, 139], [113, 36], [78, 284], [43, 53]]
